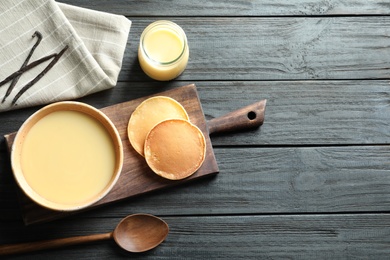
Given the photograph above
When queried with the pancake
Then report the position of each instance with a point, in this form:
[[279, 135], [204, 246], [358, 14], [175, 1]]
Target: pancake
[[148, 114], [175, 149]]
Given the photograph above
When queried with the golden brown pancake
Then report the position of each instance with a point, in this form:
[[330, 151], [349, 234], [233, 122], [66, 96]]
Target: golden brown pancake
[[175, 149], [149, 113]]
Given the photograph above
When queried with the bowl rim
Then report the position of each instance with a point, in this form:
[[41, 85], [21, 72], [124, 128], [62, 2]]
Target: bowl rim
[[38, 115]]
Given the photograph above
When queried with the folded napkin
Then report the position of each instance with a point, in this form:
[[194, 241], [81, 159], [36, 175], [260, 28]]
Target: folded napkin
[[82, 51]]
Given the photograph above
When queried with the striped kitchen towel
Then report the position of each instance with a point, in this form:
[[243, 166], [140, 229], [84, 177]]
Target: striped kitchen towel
[[51, 51]]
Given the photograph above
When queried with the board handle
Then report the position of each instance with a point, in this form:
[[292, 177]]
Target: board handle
[[248, 117]]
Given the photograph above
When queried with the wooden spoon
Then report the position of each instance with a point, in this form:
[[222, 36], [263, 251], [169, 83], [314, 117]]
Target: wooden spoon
[[135, 233]]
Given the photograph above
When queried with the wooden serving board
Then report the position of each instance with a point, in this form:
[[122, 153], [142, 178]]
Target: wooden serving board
[[136, 177]]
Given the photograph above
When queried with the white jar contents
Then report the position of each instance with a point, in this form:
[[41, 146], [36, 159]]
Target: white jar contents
[[163, 51]]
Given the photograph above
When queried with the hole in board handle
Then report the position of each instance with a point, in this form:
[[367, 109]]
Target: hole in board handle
[[251, 115]]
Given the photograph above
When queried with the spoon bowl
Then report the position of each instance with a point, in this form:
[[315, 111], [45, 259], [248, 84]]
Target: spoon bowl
[[140, 232], [135, 233]]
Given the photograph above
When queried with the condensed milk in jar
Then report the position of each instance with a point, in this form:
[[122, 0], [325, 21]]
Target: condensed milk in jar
[[163, 50]]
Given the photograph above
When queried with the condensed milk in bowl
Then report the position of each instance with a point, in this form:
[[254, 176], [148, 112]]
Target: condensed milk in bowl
[[163, 50], [67, 156]]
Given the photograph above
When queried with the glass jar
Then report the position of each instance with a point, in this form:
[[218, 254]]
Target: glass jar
[[163, 50]]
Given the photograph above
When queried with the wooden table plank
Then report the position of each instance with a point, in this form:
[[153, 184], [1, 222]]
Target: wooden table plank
[[236, 7], [344, 236], [279, 181], [298, 113], [271, 180], [320, 113], [274, 48]]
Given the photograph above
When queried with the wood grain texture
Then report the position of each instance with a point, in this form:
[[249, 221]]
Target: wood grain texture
[[237, 7], [298, 48], [298, 112], [341, 236], [269, 180], [278, 181], [311, 183], [305, 112]]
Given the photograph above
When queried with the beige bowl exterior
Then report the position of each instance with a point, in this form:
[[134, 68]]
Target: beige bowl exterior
[[32, 120]]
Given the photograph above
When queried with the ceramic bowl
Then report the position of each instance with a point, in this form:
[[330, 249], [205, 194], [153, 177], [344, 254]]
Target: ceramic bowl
[[16, 155]]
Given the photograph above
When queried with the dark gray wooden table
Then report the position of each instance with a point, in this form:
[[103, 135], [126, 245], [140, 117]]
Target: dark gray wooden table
[[312, 182]]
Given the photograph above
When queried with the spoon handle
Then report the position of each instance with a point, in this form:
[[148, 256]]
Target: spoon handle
[[50, 244]]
